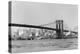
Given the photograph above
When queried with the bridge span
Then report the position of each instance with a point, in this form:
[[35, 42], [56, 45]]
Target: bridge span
[[59, 28]]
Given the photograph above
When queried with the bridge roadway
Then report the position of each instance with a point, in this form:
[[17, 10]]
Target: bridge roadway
[[34, 26]]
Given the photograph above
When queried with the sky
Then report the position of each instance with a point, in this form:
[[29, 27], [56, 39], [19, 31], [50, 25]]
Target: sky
[[34, 13]]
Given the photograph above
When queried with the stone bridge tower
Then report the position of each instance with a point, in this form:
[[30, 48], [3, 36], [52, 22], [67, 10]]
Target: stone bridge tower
[[59, 29]]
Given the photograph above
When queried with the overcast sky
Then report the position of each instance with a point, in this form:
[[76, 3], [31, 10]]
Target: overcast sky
[[42, 13]]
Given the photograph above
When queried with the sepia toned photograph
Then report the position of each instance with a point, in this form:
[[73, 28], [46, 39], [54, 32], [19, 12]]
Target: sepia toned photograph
[[37, 26]]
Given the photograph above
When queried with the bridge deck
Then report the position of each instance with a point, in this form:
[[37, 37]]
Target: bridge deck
[[34, 26]]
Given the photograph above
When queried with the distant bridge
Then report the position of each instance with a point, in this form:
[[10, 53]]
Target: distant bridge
[[59, 27]]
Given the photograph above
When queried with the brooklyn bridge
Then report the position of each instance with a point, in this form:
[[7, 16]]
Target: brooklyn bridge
[[59, 26]]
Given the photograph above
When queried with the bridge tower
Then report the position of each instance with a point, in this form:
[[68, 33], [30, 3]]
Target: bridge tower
[[59, 27]]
